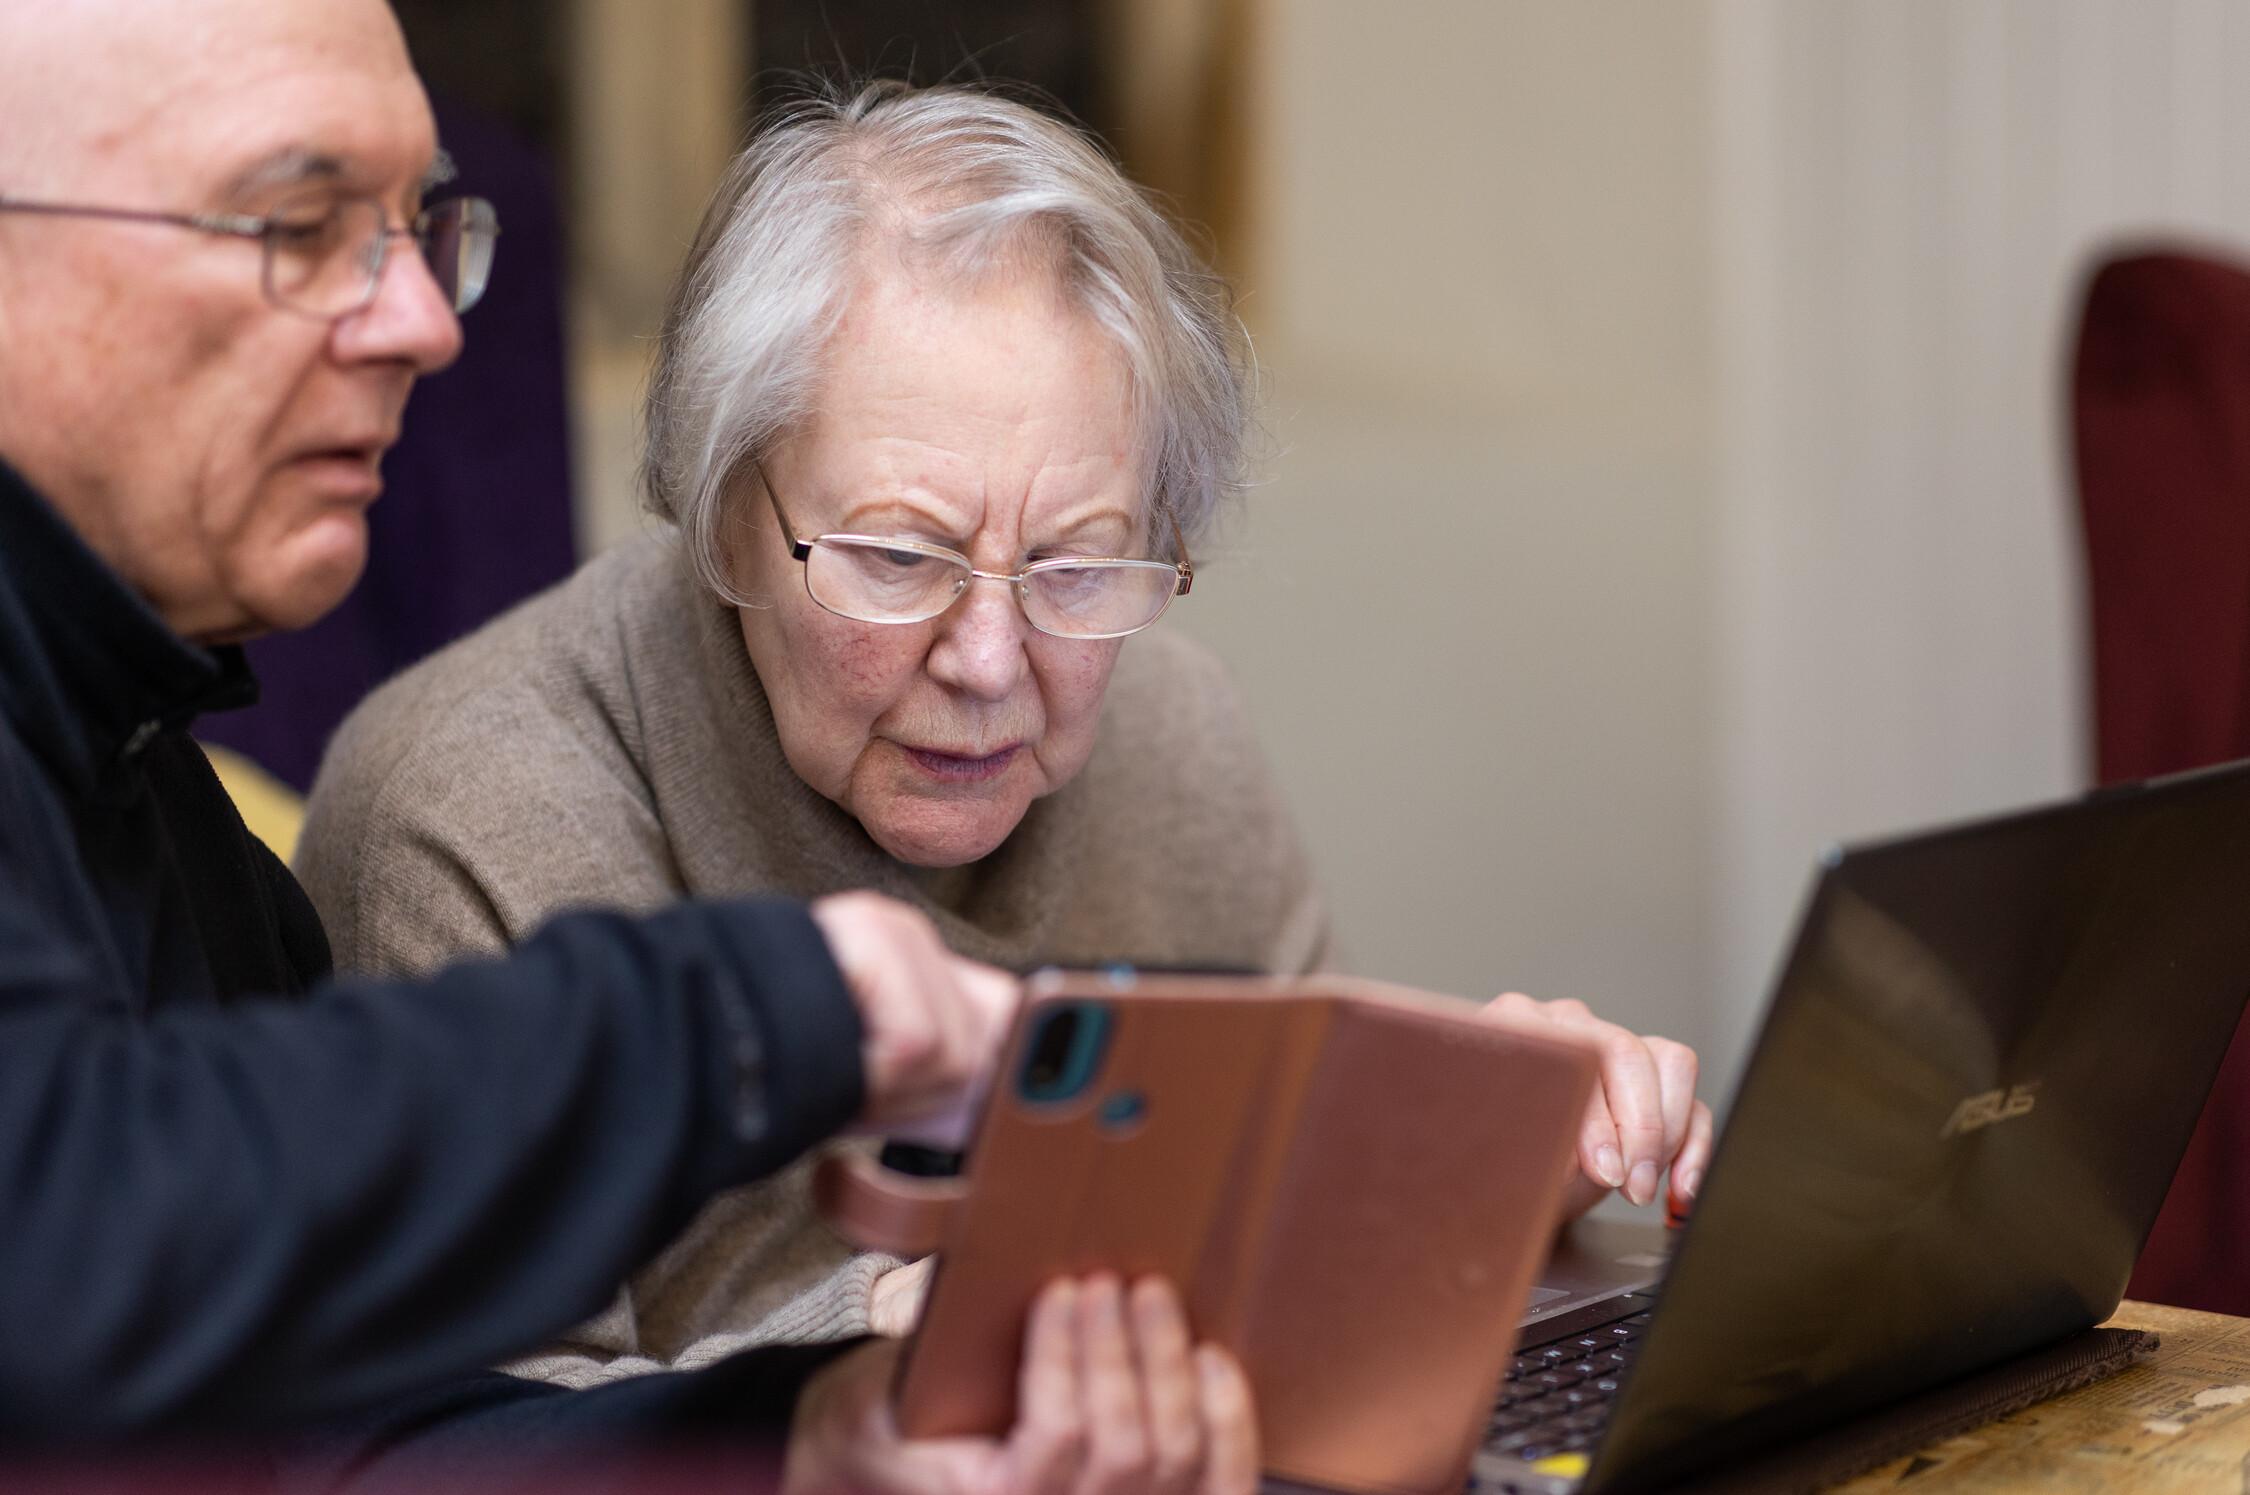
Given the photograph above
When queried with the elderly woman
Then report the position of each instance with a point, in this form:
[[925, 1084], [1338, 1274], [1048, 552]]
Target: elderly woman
[[941, 407]]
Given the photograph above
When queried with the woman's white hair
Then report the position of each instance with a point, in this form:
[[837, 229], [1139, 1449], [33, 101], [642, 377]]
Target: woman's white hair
[[967, 183]]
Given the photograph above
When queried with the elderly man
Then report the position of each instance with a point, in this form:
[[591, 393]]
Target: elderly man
[[233, 1194]]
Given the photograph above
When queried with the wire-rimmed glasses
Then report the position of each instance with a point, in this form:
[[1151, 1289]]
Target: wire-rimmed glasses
[[324, 255], [895, 579]]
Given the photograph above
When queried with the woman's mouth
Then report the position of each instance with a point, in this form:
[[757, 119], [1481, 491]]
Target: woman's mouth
[[963, 768]]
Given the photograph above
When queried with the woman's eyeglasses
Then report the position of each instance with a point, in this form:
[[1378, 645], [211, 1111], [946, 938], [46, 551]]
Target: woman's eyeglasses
[[893, 579]]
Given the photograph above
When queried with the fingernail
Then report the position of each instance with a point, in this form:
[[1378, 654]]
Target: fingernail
[[1219, 1380], [1641, 1188], [1690, 1181], [1608, 1166]]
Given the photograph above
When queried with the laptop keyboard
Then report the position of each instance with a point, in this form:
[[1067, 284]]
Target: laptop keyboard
[[1559, 1389]]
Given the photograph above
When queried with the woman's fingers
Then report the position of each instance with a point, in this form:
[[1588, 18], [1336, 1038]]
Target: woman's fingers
[[1115, 1399], [1643, 1104], [1631, 1156], [1048, 1444], [1170, 1388], [1599, 1156], [1116, 1413], [1635, 1097], [1112, 1399], [1676, 1070], [1693, 1159], [1230, 1426]]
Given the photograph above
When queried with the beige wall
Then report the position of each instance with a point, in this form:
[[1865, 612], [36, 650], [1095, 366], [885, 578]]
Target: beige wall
[[1469, 605], [1719, 346]]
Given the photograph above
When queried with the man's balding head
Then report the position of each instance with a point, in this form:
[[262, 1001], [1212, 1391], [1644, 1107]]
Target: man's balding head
[[94, 85], [216, 449]]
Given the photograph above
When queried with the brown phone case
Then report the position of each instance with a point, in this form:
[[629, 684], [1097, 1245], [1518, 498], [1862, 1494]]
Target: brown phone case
[[1352, 1185]]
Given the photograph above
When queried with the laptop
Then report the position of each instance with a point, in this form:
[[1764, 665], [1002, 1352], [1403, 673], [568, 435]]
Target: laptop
[[1984, 1057]]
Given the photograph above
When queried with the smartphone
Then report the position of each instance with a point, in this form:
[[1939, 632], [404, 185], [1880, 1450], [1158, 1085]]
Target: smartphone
[[1351, 1185]]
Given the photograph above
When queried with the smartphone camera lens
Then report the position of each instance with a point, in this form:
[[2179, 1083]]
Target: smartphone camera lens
[[1063, 1052], [1123, 1111], [1050, 1049]]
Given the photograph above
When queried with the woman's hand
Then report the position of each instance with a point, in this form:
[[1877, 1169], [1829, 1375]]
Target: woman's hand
[[894, 1304], [1112, 1399], [1644, 1117]]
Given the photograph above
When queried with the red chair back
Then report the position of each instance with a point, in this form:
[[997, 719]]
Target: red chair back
[[2161, 417]]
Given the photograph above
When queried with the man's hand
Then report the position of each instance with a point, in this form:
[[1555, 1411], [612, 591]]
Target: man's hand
[[1644, 1117], [933, 1020], [1112, 1399]]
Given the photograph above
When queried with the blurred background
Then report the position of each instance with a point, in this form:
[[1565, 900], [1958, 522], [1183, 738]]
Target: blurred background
[[1669, 468]]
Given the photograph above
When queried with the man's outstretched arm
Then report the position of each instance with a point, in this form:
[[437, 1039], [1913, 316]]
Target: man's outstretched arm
[[280, 1210]]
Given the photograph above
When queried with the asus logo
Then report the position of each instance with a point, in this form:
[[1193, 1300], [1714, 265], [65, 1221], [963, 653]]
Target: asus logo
[[1981, 1111]]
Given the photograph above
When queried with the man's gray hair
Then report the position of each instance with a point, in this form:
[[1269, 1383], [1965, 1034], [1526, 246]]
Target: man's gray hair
[[971, 184]]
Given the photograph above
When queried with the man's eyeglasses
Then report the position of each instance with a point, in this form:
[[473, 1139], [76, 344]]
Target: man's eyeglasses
[[324, 255], [893, 579]]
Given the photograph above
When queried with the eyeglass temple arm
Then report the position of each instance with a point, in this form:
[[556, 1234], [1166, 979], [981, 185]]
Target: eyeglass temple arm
[[1187, 566], [798, 549], [236, 224]]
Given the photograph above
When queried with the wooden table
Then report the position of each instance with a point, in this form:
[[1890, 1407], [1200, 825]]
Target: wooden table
[[2179, 1421]]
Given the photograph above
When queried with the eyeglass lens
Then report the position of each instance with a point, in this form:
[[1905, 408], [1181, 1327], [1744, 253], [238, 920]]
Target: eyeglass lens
[[874, 583], [319, 253], [324, 256], [457, 238]]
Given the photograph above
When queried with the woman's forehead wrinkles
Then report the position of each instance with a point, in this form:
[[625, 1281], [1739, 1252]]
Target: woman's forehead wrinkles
[[906, 511], [1047, 492], [1091, 515], [1053, 508]]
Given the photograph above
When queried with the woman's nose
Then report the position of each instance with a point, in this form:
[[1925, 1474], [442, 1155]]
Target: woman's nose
[[980, 640]]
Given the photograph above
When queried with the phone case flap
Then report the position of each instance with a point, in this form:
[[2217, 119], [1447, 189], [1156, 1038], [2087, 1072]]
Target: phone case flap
[[879, 1209]]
